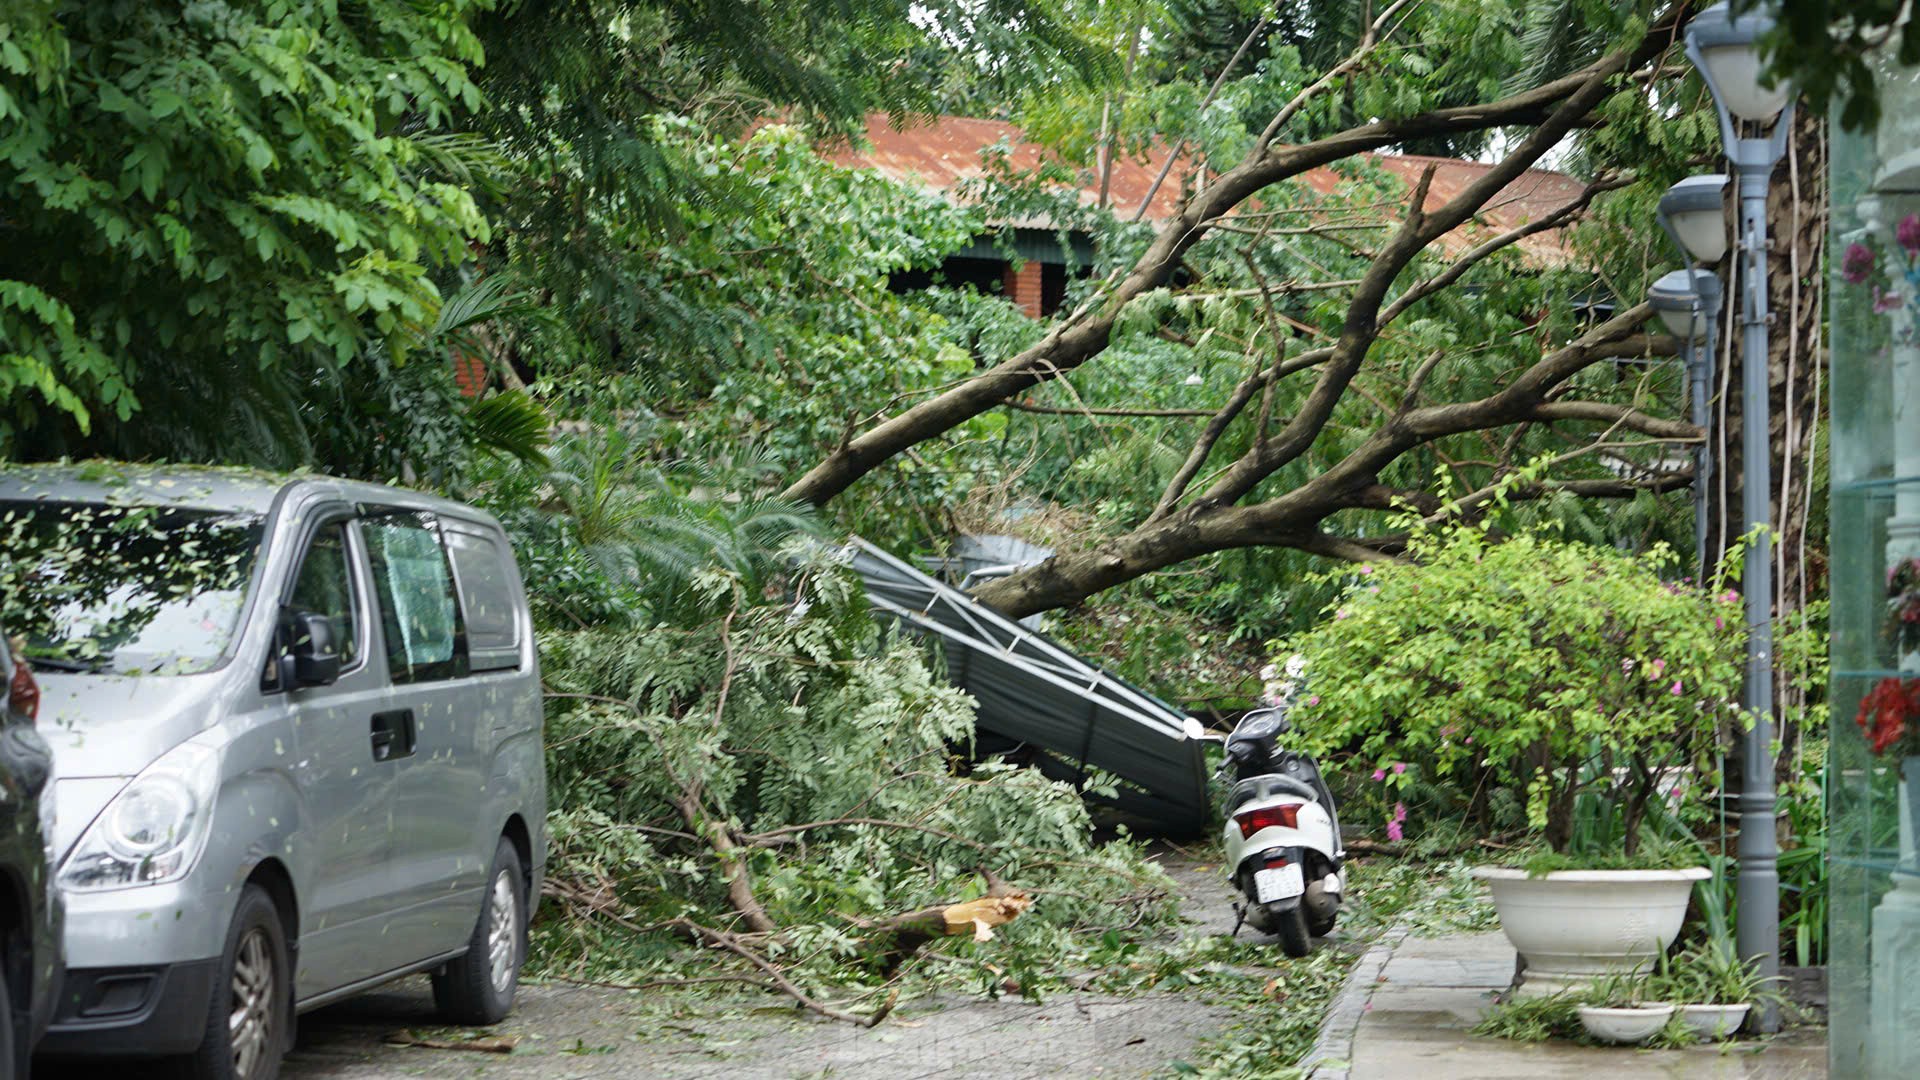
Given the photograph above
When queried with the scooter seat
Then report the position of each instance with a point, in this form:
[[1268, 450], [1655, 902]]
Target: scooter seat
[[1267, 786]]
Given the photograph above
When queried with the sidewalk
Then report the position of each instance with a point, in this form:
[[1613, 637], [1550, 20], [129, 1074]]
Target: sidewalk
[[1413, 1015]]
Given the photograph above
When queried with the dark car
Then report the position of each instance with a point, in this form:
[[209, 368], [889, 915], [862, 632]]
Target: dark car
[[30, 907]]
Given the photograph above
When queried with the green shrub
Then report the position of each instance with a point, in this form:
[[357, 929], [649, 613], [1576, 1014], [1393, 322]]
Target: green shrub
[[1558, 670]]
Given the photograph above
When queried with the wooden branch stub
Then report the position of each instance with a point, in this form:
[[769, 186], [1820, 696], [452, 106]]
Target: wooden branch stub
[[898, 938]]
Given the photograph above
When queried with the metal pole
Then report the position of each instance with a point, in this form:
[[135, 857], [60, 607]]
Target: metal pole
[[1700, 362], [1758, 928], [1690, 351], [1757, 933]]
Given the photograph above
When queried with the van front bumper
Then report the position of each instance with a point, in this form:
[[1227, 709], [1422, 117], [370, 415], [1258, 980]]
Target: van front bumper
[[147, 925], [132, 1011]]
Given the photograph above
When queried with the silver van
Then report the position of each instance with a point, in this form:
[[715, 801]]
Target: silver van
[[296, 726]]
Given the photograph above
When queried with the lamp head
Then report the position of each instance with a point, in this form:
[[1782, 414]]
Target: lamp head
[[1726, 48], [1686, 301], [1695, 211]]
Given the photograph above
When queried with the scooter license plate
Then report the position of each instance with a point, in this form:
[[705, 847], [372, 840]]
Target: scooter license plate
[[1279, 883]]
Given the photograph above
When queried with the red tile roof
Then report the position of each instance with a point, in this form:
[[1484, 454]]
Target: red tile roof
[[943, 153]]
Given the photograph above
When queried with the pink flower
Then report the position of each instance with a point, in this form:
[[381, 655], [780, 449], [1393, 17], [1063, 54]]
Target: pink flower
[[1399, 767], [1468, 740], [1379, 775], [1394, 831], [1675, 688], [1856, 264], [1365, 569], [1340, 614], [1313, 700], [1908, 233], [1884, 302], [1719, 623], [1655, 668]]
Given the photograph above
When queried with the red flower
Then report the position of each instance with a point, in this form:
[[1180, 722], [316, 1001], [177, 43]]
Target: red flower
[[1856, 264], [1885, 710]]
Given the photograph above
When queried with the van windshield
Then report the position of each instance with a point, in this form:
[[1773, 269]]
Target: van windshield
[[151, 590]]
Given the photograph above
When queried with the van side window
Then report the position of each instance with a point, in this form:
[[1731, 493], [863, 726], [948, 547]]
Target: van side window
[[486, 599], [418, 613], [324, 586]]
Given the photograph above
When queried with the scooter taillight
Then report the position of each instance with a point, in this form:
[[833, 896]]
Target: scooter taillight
[[1286, 815]]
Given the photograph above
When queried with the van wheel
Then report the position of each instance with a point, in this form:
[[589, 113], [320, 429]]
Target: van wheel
[[10, 1066], [247, 1018], [478, 988]]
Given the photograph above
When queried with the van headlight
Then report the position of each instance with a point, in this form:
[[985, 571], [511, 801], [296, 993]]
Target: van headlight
[[154, 830]]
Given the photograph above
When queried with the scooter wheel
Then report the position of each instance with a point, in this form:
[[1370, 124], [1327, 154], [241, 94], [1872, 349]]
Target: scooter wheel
[[1291, 926]]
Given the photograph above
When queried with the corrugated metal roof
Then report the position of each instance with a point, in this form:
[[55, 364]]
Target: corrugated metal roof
[[1031, 689], [945, 152]]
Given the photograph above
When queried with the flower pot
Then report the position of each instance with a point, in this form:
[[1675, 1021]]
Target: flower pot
[[1573, 926], [1714, 1021], [1628, 1024]]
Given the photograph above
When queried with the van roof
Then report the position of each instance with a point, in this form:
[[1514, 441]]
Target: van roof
[[207, 487]]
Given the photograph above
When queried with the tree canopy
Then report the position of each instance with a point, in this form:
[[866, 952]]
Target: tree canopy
[[296, 217]]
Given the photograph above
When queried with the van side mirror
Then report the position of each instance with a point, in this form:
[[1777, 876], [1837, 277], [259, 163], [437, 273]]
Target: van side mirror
[[311, 649]]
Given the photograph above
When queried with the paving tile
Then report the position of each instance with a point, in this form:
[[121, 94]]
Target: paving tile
[[1432, 991]]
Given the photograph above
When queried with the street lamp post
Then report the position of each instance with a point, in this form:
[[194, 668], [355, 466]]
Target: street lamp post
[[1688, 302], [1723, 47]]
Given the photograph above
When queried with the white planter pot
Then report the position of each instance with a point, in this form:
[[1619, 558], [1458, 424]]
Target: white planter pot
[[1575, 925], [1635, 1024], [1714, 1021]]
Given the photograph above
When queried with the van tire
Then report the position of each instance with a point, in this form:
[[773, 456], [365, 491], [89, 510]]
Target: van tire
[[10, 1063], [478, 988], [255, 940]]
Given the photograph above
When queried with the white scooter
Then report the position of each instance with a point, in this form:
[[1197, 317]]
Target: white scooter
[[1282, 837]]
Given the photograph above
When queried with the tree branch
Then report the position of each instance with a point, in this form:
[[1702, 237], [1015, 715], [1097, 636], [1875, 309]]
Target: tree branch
[[1618, 416], [1024, 405], [1086, 332], [1341, 547], [1362, 327], [1481, 252]]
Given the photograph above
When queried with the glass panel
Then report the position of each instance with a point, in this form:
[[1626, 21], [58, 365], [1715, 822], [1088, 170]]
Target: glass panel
[[486, 591], [1874, 756], [418, 614], [324, 586], [124, 589]]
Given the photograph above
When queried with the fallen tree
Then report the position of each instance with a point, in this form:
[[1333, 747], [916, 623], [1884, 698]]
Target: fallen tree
[[787, 791], [1280, 414]]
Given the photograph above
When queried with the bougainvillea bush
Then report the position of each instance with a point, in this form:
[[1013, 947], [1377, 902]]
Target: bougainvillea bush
[[1559, 671]]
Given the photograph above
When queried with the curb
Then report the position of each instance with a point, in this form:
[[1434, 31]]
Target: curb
[[1332, 1053]]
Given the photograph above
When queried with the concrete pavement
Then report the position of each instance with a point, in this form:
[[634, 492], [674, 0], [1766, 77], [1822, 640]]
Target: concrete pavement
[[1413, 1005]]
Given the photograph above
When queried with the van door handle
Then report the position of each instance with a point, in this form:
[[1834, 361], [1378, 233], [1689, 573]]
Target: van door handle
[[392, 734]]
